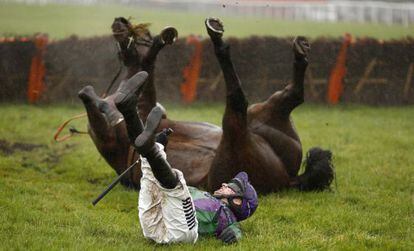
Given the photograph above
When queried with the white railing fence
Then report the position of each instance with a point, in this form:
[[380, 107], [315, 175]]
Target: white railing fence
[[385, 12]]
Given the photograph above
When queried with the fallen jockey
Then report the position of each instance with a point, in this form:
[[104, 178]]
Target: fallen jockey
[[169, 210]]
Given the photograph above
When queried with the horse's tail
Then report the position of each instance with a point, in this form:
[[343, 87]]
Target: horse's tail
[[319, 170]]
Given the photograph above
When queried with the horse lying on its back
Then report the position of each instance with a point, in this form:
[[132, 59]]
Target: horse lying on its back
[[260, 140]]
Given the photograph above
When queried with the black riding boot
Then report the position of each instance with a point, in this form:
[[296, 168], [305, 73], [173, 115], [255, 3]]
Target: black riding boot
[[126, 102], [145, 145]]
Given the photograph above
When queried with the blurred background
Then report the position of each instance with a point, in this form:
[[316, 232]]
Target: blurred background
[[64, 15], [362, 50], [374, 11]]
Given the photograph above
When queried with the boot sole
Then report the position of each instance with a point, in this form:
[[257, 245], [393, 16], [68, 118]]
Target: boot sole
[[130, 88], [153, 121]]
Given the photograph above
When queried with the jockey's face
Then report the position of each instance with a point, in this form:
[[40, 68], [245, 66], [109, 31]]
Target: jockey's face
[[226, 193]]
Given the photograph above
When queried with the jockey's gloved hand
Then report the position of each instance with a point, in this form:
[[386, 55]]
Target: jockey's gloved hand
[[230, 234], [162, 137]]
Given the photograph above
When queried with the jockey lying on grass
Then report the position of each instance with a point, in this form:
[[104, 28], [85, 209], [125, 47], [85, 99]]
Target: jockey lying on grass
[[169, 210]]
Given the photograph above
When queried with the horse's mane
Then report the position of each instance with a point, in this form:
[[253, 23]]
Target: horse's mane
[[139, 30]]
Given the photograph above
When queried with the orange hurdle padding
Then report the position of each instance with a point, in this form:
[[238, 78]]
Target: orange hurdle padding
[[37, 70], [191, 72], [335, 87]]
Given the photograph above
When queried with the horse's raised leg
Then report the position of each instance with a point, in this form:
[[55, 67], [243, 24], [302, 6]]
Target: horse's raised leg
[[275, 124], [148, 98], [234, 118], [234, 121], [293, 94], [148, 61]]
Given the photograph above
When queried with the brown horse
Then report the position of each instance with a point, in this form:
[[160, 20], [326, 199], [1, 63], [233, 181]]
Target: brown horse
[[138, 51], [261, 140]]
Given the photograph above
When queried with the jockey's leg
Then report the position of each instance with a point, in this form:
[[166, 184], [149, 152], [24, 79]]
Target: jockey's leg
[[145, 145], [126, 102], [234, 118]]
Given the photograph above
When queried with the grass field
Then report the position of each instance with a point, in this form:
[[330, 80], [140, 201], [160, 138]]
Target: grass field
[[46, 191], [61, 21], [46, 188]]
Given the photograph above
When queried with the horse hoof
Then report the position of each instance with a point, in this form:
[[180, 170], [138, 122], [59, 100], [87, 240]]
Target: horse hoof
[[168, 35], [215, 28], [301, 46]]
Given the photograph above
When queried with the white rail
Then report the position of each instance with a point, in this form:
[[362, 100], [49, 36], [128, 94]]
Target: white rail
[[316, 10]]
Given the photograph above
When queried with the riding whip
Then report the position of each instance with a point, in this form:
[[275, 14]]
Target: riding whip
[[114, 183]]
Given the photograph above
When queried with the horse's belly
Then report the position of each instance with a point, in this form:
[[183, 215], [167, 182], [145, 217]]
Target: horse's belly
[[266, 170], [194, 161], [192, 148]]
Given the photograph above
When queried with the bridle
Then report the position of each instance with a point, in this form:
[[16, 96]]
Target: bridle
[[131, 40]]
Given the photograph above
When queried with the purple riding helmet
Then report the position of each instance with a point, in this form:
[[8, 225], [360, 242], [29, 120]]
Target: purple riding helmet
[[242, 187]]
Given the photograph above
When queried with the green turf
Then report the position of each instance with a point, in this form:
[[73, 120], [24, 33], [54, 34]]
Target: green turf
[[46, 193], [61, 21]]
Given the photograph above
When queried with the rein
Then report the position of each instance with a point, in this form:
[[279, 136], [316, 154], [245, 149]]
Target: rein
[[113, 80], [72, 130]]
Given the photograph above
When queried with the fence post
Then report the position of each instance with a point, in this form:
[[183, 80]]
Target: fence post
[[37, 70]]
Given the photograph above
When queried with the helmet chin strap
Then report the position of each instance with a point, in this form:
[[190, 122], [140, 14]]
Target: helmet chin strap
[[234, 207], [237, 209]]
